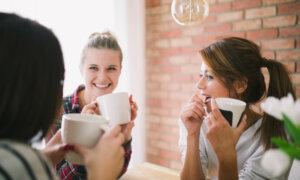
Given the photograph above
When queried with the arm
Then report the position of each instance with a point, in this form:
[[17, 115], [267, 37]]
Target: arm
[[192, 168], [192, 118], [223, 139]]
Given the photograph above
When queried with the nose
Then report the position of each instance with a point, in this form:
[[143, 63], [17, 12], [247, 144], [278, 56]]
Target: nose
[[102, 75], [201, 84]]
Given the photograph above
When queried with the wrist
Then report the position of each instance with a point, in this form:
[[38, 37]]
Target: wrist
[[229, 156]]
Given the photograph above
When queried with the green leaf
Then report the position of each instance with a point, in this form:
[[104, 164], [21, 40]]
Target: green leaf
[[291, 149], [292, 129]]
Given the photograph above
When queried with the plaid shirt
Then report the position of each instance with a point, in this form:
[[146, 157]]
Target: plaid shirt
[[66, 170]]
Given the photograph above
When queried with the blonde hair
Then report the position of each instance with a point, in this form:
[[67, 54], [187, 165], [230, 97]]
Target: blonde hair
[[104, 40]]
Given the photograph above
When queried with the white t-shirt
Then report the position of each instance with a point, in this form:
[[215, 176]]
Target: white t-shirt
[[249, 153]]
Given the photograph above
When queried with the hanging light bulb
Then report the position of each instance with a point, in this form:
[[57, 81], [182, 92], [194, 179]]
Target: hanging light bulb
[[189, 12]]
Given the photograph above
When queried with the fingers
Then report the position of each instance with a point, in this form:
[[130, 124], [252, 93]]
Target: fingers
[[114, 132], [196, 98], [89, 109], [81, 150], [243, 125]]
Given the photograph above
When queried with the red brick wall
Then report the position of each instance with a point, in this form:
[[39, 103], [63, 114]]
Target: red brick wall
[[173, 67]]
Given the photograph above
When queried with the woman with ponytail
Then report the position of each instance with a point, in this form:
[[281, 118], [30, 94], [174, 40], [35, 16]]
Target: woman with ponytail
[[212, 149]]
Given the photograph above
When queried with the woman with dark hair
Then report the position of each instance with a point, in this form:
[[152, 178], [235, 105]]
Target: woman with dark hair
[[231, 67], [32, 74]]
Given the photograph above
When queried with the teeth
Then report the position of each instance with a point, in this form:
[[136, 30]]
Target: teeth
[[102, 86]]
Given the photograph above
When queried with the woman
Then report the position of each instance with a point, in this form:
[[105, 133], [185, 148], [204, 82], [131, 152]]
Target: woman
[[100, 66], [231, 67], [32, 70]]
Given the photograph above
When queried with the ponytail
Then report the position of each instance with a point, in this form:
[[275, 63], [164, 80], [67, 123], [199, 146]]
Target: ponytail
[[279, 86]]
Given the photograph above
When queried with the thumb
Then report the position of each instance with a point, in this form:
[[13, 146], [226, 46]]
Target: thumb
[[214, 104], [81, 150], [242, 125]]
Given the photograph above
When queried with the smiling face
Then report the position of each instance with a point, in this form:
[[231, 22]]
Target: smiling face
[[210, 86], [100, 69]]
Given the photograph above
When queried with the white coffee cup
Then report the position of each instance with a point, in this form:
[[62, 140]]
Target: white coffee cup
[[115, 107], [84, 129], [232, 109]]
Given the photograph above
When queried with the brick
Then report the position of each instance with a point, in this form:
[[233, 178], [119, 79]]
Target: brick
[[242, 4], [159, 10], [170, 104], [180, 78], [159, 128], [247, 25], [270, 2], [161, 43], [298, 43], [189, 87], [298, 66], [153, 119], [279, 21], [288, 55], [260, 12], [152, 19], [166, 17], [291, 31], [218, 28], [189, 50], [278, 44], [209, 20], [190, 69], [204, 39], [232, 34], [171, 121], [152, 53], [153, 69], [170, 69], [262, 34], [290, 66], [289, 8], [159, 77], [153, 102], [152, 36], [268, 54], [170, 86], [217, 8], [156, 94], [296, 78], [152, 85], [181, 42], [159, 27], [169, 155], [160, 112], [179, 96], [152, 151], [193, 31], [230, 16], [169, 51], [171, 34], [169, 137], [179, 59], [150, 3], [157, 61]]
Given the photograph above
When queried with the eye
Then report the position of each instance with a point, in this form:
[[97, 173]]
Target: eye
[[93, 68], [209, 77], [111, 69]]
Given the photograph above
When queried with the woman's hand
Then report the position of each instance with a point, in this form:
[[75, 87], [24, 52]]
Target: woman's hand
[[220, 134], [55, 150], [106, 159], [127, 128], [192, 114], [91, 109]]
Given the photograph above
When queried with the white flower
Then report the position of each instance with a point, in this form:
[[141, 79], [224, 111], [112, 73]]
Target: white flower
[[276, 162], [275, 107]]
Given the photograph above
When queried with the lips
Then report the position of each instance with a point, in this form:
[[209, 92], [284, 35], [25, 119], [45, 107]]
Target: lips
[[206, 99]]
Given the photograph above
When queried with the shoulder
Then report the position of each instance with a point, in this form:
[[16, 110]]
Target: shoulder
[[20, 161]]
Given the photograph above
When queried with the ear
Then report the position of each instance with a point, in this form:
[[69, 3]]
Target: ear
[[240, 85]]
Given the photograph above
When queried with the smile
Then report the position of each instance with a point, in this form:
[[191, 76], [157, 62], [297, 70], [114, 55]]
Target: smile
[[102, 85]]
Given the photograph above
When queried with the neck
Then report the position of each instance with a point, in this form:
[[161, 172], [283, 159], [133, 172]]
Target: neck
[[252, 116]]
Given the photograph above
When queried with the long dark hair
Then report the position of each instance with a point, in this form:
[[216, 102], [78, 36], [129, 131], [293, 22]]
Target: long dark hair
[[32, 72], [235, 58]]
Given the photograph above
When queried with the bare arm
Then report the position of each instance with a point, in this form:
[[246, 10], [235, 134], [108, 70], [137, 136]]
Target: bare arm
[[192, 168], [228, 166]]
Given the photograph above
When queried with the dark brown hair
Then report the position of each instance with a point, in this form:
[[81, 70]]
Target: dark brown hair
[[32, 73], [234, 58]]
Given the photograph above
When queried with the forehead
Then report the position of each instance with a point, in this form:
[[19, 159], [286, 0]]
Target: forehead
[[102, 57]]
